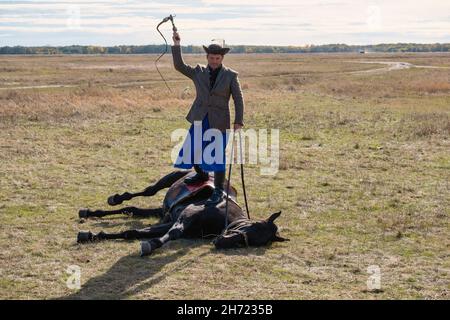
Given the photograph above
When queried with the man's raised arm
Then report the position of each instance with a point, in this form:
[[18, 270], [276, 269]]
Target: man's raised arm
[[178, 62]]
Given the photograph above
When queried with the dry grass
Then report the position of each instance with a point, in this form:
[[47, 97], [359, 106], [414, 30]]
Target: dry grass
[[363, 180]]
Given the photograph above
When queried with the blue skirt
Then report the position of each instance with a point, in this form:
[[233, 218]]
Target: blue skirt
[[209, 155]]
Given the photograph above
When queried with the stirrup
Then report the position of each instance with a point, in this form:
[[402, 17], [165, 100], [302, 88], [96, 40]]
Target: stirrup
[[216, 197], [196, 179]]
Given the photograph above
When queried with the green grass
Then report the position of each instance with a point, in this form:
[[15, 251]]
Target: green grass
[[363, 180]]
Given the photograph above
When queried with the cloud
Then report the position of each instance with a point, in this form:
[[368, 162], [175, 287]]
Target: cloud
[[280, 22]]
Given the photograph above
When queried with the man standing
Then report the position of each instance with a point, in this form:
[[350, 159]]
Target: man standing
[[214, 84]]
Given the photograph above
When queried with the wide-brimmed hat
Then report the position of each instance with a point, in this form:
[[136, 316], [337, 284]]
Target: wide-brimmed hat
[[216, 49]]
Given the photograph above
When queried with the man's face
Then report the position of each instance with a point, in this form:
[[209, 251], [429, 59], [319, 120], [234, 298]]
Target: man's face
[[214, 60]]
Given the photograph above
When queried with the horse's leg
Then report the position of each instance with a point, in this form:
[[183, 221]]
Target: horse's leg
[[175, 232], [146, 233], [133, 211], [164, 182]]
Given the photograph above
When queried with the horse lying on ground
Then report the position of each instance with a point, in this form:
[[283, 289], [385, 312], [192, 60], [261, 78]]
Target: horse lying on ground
[[185, 215]]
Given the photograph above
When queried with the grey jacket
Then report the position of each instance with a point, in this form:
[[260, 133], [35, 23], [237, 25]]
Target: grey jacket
[[213, 102]]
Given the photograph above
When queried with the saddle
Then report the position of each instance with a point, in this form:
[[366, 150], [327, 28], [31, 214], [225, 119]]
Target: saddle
[[180, 191]]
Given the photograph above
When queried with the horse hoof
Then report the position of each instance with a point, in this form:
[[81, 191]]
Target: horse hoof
[[146, 248], [84, 236], [114, 201], [83, 213]]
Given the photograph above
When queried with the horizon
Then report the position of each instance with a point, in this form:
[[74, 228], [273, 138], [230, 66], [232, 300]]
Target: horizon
[[256, 23], [231, 45]]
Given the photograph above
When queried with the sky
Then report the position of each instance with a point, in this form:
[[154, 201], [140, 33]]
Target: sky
[[249, 22]]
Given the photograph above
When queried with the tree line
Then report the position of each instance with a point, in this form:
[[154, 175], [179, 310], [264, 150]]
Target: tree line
[[149, 49]]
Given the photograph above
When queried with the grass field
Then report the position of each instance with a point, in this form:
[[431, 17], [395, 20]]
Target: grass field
[[363, 178]]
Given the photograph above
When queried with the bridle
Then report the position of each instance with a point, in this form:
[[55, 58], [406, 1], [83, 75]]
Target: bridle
[[167, 46], [243, 234], [239, 224]]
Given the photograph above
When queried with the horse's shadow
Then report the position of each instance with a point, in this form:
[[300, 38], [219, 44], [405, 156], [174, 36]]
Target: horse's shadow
[[132, 274], [244, 251]]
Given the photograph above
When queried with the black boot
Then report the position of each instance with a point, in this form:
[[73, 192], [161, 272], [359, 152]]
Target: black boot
[[218, 194], [199, 177]]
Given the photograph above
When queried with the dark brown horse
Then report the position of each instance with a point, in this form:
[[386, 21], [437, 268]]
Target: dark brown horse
[[184, 215]]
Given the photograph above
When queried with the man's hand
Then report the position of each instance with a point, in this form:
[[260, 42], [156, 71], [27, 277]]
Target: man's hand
[[176, 38], [237, 126]]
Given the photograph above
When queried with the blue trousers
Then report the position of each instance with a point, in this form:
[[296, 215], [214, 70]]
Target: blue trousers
[[211, 160]]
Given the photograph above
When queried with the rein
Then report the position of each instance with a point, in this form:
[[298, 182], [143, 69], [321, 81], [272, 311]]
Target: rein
[[242, 179]]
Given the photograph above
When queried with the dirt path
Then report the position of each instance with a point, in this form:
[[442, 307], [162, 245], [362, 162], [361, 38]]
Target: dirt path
[[390, 66]]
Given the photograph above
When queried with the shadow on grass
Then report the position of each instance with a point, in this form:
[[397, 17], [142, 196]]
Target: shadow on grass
[[255, 251], [135, 222], [132, 274], [130, 224]]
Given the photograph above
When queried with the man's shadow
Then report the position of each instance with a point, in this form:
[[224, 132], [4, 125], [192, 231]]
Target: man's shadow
[[132, 274]]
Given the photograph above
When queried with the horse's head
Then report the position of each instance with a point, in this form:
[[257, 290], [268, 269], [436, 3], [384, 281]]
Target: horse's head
[[244, 232]]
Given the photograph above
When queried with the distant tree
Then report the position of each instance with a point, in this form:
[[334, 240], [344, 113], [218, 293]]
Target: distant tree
[[152, 49]]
